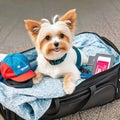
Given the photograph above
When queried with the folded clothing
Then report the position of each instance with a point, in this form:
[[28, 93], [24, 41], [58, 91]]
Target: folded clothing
[[25, 84]]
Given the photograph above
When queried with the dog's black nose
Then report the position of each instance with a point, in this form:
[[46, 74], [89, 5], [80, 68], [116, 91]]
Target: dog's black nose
[[56, 44]]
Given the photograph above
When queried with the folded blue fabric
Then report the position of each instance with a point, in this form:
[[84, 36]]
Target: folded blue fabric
[[32, 103]]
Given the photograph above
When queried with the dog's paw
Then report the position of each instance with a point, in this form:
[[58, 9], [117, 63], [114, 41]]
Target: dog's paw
[[69, 88], [37, 78]]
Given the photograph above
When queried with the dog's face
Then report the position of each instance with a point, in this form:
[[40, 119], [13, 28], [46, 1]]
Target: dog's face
[[52, 40]]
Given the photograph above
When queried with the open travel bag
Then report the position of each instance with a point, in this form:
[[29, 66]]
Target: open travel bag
[[96, 90]]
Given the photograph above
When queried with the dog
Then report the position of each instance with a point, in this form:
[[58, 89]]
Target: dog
[[53, 43]]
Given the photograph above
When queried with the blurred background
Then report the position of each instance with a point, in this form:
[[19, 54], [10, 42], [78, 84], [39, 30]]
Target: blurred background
[[99, 16]]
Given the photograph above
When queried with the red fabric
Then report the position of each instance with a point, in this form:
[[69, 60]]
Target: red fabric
[[8, 73]]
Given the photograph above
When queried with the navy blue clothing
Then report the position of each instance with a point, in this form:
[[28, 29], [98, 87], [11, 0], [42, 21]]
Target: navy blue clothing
[[26, 84], [12, 83]]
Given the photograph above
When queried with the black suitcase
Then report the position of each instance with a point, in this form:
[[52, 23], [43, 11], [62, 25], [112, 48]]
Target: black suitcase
[[97, 90]]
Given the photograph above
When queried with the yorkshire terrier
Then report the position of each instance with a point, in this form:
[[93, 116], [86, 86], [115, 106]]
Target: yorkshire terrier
[[56, 55]]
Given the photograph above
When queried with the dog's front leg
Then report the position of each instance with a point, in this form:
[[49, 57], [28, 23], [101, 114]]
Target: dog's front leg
[[37, 78], [69, 83]]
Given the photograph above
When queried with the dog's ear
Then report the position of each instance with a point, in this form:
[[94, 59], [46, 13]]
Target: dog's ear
[[69, 18], [33, 28]]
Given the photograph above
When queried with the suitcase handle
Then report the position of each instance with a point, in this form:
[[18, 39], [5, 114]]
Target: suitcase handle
[[56, 108], [101, 94], [2, 110], [57, 102], [87, 101], [92, 90]]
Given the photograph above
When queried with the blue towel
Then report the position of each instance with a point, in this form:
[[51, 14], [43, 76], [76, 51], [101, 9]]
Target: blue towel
[[32, 103]]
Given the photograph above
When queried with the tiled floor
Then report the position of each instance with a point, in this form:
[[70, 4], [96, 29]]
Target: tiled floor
[[100, 16]]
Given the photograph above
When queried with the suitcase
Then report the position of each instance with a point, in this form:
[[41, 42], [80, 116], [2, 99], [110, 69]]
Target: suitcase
[[97, 90]]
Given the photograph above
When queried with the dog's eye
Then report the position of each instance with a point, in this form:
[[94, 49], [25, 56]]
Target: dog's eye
[[47, 37], [62, 36]]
